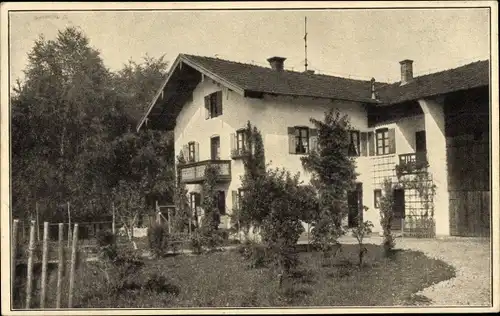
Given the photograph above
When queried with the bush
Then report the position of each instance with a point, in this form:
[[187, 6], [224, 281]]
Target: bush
[[106, 243], [386, 216], [160, 284], [196, 243], [158, 239], [254, 253]]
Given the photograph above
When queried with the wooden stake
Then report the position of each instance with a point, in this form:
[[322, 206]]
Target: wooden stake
[[69, 225], [43, 292], [72, 268], [168, 220], [60, 265], [113, 223], [13, 253], [37, 223], [29, 278]]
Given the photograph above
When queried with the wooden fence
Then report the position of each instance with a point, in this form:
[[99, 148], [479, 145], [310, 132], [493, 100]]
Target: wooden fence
[[29, 257]]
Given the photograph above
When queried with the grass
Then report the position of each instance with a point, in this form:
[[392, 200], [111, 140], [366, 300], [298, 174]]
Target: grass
[[223, 279]]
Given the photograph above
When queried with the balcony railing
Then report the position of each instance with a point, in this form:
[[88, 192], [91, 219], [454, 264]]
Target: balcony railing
[[238, 153], [413, 162], [195, 172]]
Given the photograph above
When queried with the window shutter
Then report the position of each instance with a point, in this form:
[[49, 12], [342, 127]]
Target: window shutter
[[233, 142], [197, 199], [291, 140], [234, 195], [185, 152], [221, 202], [371, 144], [363, 143], [313, 139], [207, 107], [219, 102], [196, 151], [392, 141]]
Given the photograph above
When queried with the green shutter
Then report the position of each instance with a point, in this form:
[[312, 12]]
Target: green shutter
[[185, 152], [291, 140], [392, 141], [233, 142], [364, 143], [371, 144], [196, 151]]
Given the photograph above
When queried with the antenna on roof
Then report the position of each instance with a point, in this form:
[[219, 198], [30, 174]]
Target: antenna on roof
[[305, 42]]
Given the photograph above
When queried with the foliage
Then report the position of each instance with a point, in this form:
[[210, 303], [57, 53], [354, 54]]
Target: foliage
[[332, 175], [182, 216], [362, 229], [387, 215], [197, 242], [209, 230], [106, 243], [254, 254], [158, 239], [72, 120], [421, 182]]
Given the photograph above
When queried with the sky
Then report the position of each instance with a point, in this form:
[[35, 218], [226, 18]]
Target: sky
[[359, 44]]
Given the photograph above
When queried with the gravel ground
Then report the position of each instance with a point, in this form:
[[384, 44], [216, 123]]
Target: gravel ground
[[471, 258]]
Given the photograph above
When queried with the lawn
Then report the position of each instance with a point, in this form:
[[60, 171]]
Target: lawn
[[223, 279]]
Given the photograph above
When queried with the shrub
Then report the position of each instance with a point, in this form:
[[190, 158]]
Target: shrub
[[386, 216], [160, 284], [196, 243], [362, 230], [106, 243], [158, 239], [254, 253]]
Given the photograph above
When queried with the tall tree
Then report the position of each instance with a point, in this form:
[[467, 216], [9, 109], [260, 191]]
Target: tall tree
[[333, 174]]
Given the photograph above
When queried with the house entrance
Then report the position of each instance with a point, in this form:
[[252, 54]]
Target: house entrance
[[398, 208]]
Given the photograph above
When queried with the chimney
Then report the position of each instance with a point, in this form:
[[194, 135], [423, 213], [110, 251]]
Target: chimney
[[406, 71], [277, 63], [374, 95]]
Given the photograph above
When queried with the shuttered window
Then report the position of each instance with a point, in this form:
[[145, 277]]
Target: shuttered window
[[377, 194], [302, 140], [192, 151], [364, 144], [354, 146], [213, 105], [385, 141]]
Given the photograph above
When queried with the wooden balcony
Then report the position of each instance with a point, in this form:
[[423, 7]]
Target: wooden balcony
[[194, 172], [413, 162]]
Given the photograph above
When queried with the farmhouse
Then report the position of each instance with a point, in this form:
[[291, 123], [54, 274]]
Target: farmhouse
[[430, 133]]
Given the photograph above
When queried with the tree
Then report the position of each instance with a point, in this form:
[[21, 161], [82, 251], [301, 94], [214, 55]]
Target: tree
[[209, 229], [182, 216], [332, 175]]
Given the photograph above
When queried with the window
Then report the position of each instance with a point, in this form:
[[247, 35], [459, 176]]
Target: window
[[382, 139], [301, 140], [215, 148], [354, 146], [213, 105], [241, 138], [192, 152], [377, 194], [237, 198]]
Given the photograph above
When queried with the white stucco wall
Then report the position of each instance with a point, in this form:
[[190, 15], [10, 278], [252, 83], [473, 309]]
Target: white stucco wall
[[272, 115]]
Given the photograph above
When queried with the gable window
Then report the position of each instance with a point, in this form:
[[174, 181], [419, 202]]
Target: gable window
[[385, 141], [213, 105], [377, 194], [354, 146]]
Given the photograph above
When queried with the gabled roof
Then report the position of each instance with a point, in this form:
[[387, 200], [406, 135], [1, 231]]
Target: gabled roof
[[466, 77], [266, 80], [249, 80]]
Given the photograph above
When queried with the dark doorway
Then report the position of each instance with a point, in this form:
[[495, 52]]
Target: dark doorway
[[215, 148], [420, 142], [398, 208], [355, 205]]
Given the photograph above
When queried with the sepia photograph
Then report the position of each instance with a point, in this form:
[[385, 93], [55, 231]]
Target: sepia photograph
[[271, 157]]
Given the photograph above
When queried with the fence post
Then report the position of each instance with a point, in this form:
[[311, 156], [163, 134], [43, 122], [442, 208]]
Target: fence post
[[29, 273], [113, 223], [168, 220], [37, 222], [43, 292], [72, 268], [60, 265], [13, 253], [69, 225]]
